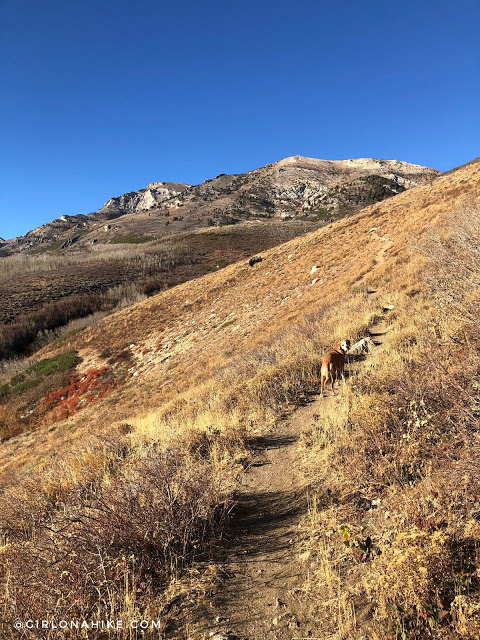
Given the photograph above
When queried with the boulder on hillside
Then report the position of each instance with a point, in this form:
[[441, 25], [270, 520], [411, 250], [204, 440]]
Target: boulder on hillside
[[361, 348], [70, 241]]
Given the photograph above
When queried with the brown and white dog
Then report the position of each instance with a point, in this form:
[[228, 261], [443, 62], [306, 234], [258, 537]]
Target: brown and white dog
[[333, 364]]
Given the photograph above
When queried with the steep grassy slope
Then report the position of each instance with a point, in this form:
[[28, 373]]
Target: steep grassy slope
[[170, 392]]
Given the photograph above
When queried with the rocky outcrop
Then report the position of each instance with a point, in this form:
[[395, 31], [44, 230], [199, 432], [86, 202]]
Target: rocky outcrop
[[154, 194], [70, 242], [313, 183], [300, 186]]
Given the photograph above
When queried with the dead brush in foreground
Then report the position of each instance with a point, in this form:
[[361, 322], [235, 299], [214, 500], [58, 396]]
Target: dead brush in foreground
[[394, 525], [102, 535]]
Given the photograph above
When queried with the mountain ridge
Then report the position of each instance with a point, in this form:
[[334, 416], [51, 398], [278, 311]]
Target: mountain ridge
[[289, 188]]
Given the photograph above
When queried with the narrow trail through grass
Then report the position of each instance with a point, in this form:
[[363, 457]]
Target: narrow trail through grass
[[262, 595]]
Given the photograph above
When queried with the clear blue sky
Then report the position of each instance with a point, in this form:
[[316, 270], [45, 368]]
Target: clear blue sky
[[100, 97]]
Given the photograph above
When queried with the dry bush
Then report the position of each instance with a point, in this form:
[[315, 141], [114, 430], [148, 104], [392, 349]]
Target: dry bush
[[406, 444], [251, 391], [102, 535], [15, 366], [27, 331], [150, 258], [30, 331]]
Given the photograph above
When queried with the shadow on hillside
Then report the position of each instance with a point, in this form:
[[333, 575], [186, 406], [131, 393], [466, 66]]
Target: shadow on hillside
[[376, 334]]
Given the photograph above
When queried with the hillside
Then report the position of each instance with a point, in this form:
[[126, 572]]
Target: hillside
[[127, 443], [147, 241], [43, 296]]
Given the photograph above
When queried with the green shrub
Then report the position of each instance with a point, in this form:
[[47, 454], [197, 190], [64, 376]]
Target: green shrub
[[34, 375], [69, 334], [47, 366]]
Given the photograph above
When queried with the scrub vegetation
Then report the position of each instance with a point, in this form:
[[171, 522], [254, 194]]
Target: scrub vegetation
[[123, 505]]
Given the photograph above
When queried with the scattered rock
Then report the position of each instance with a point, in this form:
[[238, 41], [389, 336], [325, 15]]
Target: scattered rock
[[70, 241], [314, 268], [107, 227], [254, 260], [362, 347], [280, 619], [388, 307], [315, 280]]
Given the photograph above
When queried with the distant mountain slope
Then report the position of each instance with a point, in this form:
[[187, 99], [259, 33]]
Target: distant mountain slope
[[309, 188]]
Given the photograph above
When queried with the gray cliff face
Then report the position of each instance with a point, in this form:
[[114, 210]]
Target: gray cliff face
[[303, 186], [153, 195]]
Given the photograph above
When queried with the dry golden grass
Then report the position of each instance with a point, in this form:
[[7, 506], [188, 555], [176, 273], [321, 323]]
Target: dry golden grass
[[220, 359], [393, 528]]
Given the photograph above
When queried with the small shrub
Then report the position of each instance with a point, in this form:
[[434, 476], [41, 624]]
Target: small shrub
[[69, 334], [61, 362], [37, 372], [107, 534]]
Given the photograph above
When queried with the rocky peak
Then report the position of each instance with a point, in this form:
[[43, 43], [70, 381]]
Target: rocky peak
[[154, 194]]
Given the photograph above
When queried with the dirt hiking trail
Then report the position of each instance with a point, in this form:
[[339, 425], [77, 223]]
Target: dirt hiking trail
[[262, 594]]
